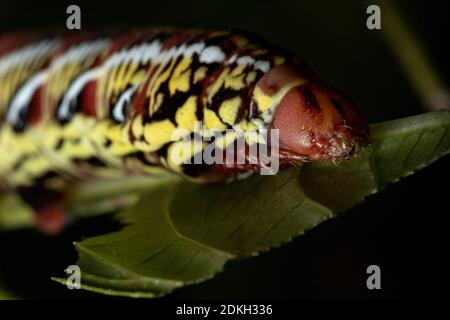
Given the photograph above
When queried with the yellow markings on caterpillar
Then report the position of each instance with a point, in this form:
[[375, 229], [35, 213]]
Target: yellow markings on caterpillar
[[244, 125], [121, 81], [254, 137], [251, 76], [229, 109], [235, 80], [214, 88], [23, 162], [212, 121], [128, 74], [264, 101], [225, 140], [32, 168], [112, 143], [83, 140], [159, 101], [186, 114], [115, 79], [279, 60], [111, 76], [16, 74], [144, 146], [113, 82], [157, 80], [137, 77], [62, 144], [100, 100], [180, 152], [125, 129], [114, 132], [158, 133], [75, 128], [119, 145], [98, 133], [200, 74], [238, 70], [10, 81], [180, 78], [235, 83], [137, 127]]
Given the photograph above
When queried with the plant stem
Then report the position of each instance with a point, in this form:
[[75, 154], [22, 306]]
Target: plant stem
[[412, 56]]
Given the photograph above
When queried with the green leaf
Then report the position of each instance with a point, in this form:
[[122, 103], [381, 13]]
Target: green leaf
[[6, 296], [14, 213], [182, 233]]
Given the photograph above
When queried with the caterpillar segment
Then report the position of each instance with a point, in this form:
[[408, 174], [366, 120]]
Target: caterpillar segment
[[22, 73], [110, 104]]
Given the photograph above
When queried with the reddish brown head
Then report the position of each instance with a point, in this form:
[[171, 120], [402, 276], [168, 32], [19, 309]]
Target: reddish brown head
[[315, 120]]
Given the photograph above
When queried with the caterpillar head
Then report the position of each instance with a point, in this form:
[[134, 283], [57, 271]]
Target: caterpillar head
[[315, 120]]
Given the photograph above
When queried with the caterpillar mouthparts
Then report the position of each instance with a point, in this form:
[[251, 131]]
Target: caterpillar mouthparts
[[315, 120]]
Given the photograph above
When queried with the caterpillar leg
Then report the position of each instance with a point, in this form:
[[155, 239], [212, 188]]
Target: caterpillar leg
[[50, 216], [250, 163]]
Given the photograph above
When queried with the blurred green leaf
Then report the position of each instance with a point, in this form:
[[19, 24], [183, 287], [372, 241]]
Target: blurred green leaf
[[182, 233], [14, 213], [6, 296]]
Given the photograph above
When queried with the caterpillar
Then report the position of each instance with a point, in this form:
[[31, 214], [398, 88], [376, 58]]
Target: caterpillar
[[82, 105]]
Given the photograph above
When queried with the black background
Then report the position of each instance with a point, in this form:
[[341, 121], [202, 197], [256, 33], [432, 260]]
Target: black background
[[400, 229]]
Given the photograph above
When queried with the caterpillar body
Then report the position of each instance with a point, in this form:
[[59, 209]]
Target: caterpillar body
[[84, 105]]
